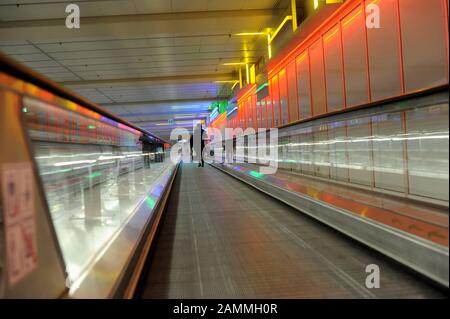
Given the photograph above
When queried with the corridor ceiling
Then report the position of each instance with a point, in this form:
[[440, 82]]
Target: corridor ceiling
[[148, 61]]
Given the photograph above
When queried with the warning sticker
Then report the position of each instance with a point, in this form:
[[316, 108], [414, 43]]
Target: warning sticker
[[20, 227]]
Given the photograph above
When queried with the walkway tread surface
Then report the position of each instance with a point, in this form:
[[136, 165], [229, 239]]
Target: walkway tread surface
[[223, 239]]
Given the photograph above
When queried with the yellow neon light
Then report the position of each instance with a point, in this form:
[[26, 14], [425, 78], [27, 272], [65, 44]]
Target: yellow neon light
[[226, 81], [252, 74], [240, 78], [350, 20], [286, 19], [302, 57], [269, 47], [294, 15], [316, 4], [250, 33], [234, 63], [331, 35], [247, 73]]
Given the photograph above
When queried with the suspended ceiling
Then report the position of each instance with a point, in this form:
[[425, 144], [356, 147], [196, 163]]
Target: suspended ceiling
[[146, 60]]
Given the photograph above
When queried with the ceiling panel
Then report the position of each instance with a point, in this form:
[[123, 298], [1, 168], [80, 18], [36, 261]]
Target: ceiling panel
[[29, 57], [220, 56], [176, 47]]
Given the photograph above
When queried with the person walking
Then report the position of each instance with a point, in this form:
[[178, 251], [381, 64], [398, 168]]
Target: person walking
[[198, 133]]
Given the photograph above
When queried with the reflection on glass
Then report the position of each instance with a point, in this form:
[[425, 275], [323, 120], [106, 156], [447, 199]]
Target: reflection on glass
[[94, 175]]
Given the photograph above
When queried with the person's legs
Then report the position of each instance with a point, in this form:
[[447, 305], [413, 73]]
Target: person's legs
[[201, 162]]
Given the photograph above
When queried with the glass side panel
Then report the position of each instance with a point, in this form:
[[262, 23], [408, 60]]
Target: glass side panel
[[264, 114], [269, 112], [95, 172], [427, 146], [388, 163]]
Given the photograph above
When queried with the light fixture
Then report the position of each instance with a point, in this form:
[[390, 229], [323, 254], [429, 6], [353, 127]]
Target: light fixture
[[247, 73], [250, 33], [226, 81], [183, 116], [184, 122], [316, 4], [261, 87], [234, 63]]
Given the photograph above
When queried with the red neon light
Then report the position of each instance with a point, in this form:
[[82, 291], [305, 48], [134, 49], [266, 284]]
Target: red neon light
[[246, 91], [276, 63]]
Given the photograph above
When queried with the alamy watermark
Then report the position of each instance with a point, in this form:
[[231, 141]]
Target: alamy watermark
[[235, 146], [73, 19], [372, 16], [373, 277]]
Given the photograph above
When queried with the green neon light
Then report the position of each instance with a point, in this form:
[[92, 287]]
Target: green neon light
[[24, 110], [261, 87], [150, 202], [91, 127], [220, 105], [256, 174], [95, 174]]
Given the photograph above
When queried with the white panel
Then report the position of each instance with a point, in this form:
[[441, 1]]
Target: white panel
[[153, 6], [125, 52], [296, 152], [239, 4], [388, 146], [110, 44], [283, 153], [12, 42], [359, 151], [42, 64], [306, 150], [427, 133], [19, 49], [337, 135], [31, 57], [192, 5], [321, 152]]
